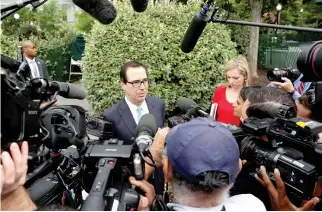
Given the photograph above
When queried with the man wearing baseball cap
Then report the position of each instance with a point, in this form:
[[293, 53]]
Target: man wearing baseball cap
[[202, 164]]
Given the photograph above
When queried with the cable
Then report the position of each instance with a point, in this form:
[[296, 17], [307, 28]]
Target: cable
[[153, 164]]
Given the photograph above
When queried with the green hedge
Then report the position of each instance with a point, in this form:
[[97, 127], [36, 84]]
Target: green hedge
[[55, 50], [153, 38]]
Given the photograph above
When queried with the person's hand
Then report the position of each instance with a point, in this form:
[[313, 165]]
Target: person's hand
[[144, 204], [157, 146], [147, 188], [14, 167], [278, 196], [47, 104], [287, 85]]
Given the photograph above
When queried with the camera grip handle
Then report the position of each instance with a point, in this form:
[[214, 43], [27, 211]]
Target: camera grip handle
[[95, 200]]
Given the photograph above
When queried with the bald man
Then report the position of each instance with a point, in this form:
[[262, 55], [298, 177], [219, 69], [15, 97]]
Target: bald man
[[37, 66]]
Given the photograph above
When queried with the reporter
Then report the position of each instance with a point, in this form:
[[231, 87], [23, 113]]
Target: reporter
[[238, 105], [237, 76], [13, 176], [278, 196]]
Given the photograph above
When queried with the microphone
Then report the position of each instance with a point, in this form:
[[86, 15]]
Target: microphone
[[189, 106], [139, 5], [102, 10], [145, 131], [193, 33], [37, 4], [64, 89]]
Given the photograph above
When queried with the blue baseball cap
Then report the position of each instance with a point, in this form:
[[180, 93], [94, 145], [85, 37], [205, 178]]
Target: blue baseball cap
[[201, 145]]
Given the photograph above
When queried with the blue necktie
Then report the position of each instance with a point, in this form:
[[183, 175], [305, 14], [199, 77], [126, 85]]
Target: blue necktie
[[139, 113]]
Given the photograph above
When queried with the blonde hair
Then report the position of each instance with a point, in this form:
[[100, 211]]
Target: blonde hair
[[240, 63]]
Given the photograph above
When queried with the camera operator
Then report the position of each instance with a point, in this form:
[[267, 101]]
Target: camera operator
[[13, 176], [265, 103], [202, 163]]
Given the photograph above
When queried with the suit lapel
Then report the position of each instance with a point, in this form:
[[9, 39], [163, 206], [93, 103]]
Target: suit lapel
[[39, 65], [126, 115], [151, 107]]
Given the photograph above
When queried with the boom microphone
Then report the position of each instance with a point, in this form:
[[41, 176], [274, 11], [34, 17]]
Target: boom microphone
[[139, 5], [64, 89], [102, 10], [188, 105], [193, 33], [145, 132]]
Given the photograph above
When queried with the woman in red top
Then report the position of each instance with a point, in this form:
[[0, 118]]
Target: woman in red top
[[237, 77]]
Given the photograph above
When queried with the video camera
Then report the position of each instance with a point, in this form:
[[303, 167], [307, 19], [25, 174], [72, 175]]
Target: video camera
[[22, 98], [290, 144]]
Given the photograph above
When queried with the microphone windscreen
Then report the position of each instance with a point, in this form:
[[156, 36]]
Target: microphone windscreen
[[75, 92], [9, 63], [102, 10], [147, 123], [139, 5], [68, 90], [193, 33], [185, 103]]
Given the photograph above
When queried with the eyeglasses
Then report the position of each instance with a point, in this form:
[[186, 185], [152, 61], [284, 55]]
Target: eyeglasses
[[137, 83]]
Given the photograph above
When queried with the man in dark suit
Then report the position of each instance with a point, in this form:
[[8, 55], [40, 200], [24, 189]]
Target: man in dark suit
[[126, 114], [37, 66]]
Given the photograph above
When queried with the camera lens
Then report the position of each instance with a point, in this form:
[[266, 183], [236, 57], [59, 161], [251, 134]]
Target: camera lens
[[310, 62]]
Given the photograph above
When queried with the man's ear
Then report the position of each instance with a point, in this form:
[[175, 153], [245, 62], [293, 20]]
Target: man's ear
[[122, 84], [167, 169]]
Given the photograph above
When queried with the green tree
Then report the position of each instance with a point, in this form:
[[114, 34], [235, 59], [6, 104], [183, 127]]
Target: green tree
[[153, 38], [294, 12], [84, 22], [48, 18]]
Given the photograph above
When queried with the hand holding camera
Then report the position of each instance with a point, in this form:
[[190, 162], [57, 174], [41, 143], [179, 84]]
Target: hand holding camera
[[14, 167], [287, 85], [278, 196]]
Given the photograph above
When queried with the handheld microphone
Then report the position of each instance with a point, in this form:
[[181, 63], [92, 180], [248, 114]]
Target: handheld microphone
[[64, 89], [145, 132], [102, 10], [139, 5], [188, 105], [196, 27]]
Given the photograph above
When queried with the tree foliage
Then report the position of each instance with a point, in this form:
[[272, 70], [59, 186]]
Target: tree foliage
[[84, 22], [47, 19], [48, 28], [153, 38]]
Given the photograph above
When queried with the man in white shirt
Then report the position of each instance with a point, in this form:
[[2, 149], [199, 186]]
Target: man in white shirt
[[202, 163], [37, 66], [126, 114]]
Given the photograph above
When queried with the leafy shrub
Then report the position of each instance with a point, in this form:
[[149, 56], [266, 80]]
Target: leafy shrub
[[55, 50], [153, 38]]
